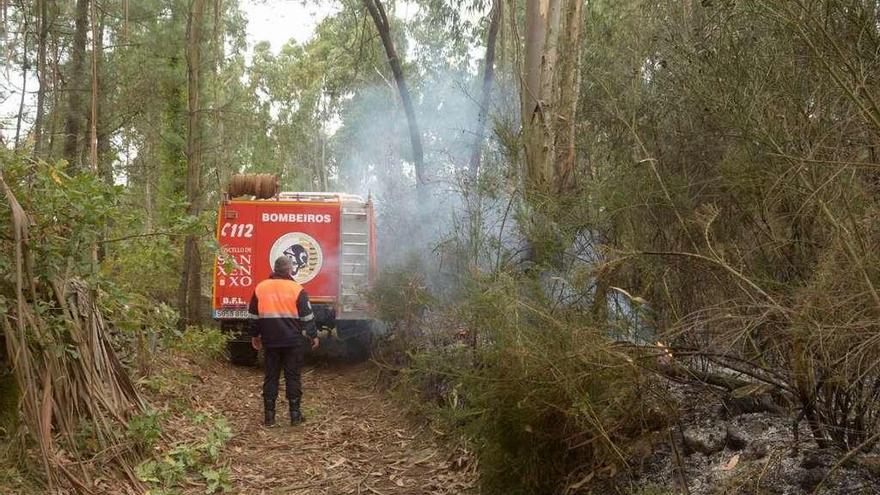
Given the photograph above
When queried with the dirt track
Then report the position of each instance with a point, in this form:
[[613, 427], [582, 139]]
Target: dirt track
[[354, 440]]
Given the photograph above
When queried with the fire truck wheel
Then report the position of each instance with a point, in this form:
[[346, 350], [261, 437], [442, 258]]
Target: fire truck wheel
[[359, 347], [241, 353]]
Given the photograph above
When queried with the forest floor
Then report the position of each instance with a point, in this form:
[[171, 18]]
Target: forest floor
[[355, 440]]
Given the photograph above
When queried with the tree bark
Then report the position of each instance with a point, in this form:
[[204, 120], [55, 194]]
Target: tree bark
[[550, 91], [324, 185], [76, 112], [218, 131], [93, 120], [380, 19], [488, 78], [104, 125], [189, 295], [542, 31], [42, 16], [567, 95], [320, 162], [24, 71]]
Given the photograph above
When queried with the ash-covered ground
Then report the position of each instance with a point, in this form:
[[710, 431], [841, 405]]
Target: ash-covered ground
[[722, 446]]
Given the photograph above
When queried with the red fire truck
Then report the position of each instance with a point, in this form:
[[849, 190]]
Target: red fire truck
[[330, 237]]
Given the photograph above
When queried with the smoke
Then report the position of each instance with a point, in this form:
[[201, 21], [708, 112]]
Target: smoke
[[433, 226]]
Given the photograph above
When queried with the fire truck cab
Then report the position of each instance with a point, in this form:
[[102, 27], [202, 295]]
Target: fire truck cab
[[330, 237]]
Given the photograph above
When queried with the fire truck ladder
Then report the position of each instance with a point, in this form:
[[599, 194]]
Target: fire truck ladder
[[354, 260]]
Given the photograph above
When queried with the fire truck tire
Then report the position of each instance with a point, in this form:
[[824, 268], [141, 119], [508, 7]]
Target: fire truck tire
[[358, 339], [360, 348], [241, 353]]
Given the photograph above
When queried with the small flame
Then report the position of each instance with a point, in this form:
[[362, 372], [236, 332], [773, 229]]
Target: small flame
[[667, 354]]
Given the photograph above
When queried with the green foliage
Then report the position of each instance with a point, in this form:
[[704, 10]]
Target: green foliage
[[540, 396], [202, 343], [401, 295], [185, 463], [68, 213], [218, 480], [163, 383], [400, 298], [218, 433], [731, 174], [146, 429]]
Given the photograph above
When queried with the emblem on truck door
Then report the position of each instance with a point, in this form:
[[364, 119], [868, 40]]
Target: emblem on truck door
[[303, 250]]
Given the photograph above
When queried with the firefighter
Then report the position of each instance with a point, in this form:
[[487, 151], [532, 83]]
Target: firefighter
[[280, 313]]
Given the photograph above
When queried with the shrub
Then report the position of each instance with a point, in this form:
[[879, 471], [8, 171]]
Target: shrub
[[185, 463], [146, 429], [400, 298], [201, 343], [544, 398]]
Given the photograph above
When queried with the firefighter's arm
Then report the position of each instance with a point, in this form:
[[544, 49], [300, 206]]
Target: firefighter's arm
[[254, 314], [306, 315]]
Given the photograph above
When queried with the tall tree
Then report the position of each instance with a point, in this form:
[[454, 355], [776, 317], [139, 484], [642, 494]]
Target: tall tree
[[567, 94], [97, 48], [549, 93], [75, 119], [380, 19], [42, 16], [24, 76], [103, 91], [189, 295], [488, 76]]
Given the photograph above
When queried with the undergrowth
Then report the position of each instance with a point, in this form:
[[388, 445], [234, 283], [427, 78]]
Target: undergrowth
[[543, 399], [184, 463], [200, 343]]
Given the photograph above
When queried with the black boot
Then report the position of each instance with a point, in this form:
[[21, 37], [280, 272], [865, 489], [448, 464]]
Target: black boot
[[296, 416], [269, 412]]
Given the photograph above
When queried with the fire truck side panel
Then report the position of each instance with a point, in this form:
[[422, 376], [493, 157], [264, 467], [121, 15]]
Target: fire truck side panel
[[307, 232], [254, 233], [234, 278]]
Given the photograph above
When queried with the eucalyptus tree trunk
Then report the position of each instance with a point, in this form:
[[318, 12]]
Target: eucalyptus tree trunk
[[218, 131], [320, 161], [549, 92], [567, 95], [75, 121], [93, 119], [488, 78], [42, 16], [24, 74], [189, 293], [105, 126], [380, 19], [57, 119]]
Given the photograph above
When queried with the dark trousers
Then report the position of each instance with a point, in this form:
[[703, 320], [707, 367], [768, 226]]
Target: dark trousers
[[291, 359]]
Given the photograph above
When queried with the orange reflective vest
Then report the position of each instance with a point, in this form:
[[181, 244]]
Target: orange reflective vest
[[277, 297], [280, 313]]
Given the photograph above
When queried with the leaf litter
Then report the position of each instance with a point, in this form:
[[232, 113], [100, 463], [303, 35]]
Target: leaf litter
[[355, 439]]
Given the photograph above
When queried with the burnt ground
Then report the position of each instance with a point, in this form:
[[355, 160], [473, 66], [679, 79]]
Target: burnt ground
[[717, 449], [356, 440]]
